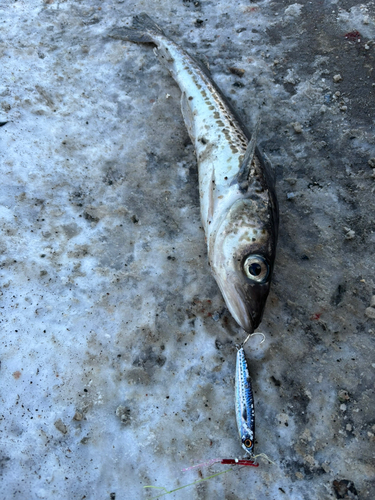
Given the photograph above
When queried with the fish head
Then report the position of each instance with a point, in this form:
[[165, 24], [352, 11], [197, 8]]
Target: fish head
[[247, 442], [242, 252]]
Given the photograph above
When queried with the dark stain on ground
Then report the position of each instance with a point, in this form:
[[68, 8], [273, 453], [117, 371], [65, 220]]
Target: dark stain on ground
[[225, 345], [300, 403], [90, 217], [344, 489], [202, 308], [308, 471], [112, 175], [338, 295], [123, 412], [276, 382], [3, 462], [322, 36], [149, 360]]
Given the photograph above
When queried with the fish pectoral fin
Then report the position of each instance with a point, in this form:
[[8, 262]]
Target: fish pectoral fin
[[244, 172], [188, 116], [270, 170]]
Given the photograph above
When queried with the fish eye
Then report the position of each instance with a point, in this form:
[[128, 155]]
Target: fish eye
[[256, 268], [248, 443]]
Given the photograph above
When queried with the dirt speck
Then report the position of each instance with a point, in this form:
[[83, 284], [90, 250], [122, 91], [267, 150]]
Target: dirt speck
[[60, 426]]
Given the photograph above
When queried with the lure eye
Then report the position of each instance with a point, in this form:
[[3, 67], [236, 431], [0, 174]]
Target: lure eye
[[248, 443], [256, 268]]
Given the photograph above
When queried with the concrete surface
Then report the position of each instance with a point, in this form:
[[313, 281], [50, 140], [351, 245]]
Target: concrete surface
[[117, 357]]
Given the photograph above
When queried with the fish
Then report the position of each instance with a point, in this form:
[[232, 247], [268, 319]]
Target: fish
[[244, 404], [238, 203]]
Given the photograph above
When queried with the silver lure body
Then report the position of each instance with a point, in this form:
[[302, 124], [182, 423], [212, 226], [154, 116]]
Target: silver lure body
[[237, 200], [244, 403]]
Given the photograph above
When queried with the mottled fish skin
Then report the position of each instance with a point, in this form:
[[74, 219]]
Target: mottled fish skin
[[238, 203], [244, 402]]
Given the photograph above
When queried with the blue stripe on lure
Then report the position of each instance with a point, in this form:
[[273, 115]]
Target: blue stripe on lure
[[244, 404]]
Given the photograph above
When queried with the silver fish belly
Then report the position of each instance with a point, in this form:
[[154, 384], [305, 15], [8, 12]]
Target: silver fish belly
[[244, 403], [237, 198]]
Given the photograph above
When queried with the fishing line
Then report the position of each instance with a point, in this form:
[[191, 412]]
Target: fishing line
[[166, 492], [263, 455]]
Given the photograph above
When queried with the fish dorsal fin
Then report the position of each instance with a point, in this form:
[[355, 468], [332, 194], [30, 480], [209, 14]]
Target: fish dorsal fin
[[243, 174]]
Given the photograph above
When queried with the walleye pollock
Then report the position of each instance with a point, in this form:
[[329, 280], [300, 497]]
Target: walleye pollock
[[238, 203]]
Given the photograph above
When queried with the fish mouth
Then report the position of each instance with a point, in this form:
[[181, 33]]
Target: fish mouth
[[238, 306]]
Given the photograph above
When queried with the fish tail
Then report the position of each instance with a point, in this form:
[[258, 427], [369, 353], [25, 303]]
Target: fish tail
[[143, 30]]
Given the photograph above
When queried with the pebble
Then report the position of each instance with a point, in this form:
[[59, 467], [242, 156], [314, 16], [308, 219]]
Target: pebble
[[371, 162], [343, 108], [60, 426], [343, 407], [297, 127], [237, 71], [291, 180], [370, 312], [293, 10], [290, 78], [350, 234], [78, 416], [337, 78], [216, 316], [343, 395], [326, 468], [124, 414]]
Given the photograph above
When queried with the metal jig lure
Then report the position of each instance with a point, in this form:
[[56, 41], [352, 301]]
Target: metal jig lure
[[244, 400]]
